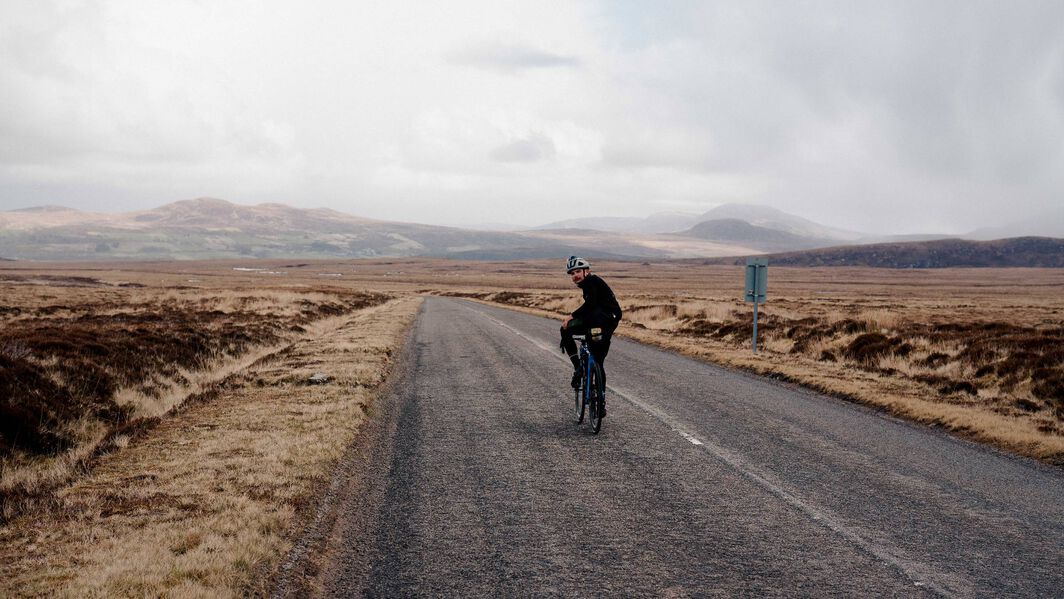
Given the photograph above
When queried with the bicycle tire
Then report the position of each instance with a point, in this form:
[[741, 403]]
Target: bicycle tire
[[596, 397], [581, 403]]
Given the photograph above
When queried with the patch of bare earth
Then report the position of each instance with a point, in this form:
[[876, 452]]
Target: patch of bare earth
[[210, 501]]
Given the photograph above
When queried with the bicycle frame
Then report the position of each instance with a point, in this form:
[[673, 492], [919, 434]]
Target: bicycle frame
[[587, 360]]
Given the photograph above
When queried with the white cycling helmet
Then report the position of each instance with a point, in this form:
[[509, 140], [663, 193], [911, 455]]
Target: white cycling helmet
[[575, 263]]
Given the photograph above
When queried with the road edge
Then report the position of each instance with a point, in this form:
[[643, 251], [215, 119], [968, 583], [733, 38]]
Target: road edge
[[359, 481]]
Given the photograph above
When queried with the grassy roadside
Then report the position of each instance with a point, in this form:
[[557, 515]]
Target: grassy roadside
[[213, 497], [1005, 429]]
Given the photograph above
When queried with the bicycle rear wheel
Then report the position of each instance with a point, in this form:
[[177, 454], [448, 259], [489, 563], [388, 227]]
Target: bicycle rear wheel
[[596, 398], [579, 391]]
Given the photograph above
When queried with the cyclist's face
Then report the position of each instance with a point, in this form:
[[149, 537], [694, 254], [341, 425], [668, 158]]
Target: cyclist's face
[[578, 275]]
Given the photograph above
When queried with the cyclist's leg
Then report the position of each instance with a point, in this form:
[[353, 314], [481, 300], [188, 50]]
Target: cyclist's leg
[[600, 349], [569, 345]]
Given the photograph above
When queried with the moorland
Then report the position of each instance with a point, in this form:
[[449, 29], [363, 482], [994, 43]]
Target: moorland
[[161, 412]]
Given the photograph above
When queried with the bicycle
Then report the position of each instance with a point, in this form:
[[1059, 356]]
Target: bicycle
[[591, 395]]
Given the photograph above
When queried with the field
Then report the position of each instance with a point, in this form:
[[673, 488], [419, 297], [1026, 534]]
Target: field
[[158, 433]]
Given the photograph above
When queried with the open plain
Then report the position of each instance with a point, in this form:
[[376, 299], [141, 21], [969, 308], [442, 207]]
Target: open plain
[[158, 416]]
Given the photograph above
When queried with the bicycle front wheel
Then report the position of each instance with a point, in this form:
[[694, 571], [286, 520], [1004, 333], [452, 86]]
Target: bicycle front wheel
[[596, 397]]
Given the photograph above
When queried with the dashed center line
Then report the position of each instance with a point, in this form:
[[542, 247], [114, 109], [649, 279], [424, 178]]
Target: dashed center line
[[693, 439]]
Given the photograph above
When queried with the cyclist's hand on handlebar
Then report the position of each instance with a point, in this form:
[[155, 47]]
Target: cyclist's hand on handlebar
[[565, 324]]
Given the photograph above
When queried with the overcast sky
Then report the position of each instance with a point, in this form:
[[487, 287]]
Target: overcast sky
[[881, 116]]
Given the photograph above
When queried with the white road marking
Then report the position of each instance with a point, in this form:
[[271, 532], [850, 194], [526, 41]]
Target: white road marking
[[693, 439], [917, 573]]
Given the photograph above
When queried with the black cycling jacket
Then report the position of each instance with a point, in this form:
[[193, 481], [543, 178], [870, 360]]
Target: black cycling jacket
[[600, 305]]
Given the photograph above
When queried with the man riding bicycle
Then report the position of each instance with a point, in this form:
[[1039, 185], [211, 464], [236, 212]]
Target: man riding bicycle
[[600, 309]]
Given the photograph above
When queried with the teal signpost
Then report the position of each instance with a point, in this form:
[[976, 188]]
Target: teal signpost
[[756, 286]]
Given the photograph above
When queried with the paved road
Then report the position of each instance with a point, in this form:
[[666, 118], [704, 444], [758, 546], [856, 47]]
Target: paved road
[[703, 482]]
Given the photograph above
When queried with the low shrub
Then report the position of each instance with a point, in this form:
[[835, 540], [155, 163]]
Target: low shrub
[[870, 346]]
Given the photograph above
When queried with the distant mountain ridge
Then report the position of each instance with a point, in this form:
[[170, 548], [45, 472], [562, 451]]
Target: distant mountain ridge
[[209, 228]]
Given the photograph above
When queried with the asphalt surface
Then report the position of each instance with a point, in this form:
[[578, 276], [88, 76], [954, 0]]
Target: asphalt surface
[[703, 482]]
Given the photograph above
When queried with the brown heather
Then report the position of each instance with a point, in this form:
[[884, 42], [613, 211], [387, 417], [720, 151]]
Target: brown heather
[[158, 437]]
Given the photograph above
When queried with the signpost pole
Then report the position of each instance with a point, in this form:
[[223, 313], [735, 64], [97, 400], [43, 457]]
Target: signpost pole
[[755, 324], [756, 287]]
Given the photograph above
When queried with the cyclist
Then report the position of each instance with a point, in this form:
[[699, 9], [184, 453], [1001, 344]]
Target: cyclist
[[600, 309]]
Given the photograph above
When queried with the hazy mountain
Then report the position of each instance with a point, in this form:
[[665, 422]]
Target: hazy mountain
[[757, 228], [772, 218], [734, 230], [680, 222], [659, 222], [1042, 252]]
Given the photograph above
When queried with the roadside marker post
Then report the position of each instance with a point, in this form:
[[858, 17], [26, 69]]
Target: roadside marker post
[[756, 286]]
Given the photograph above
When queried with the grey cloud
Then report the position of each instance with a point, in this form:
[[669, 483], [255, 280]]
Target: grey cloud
[[889, 111], [533, 148], [509, 58], [952, 84]]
